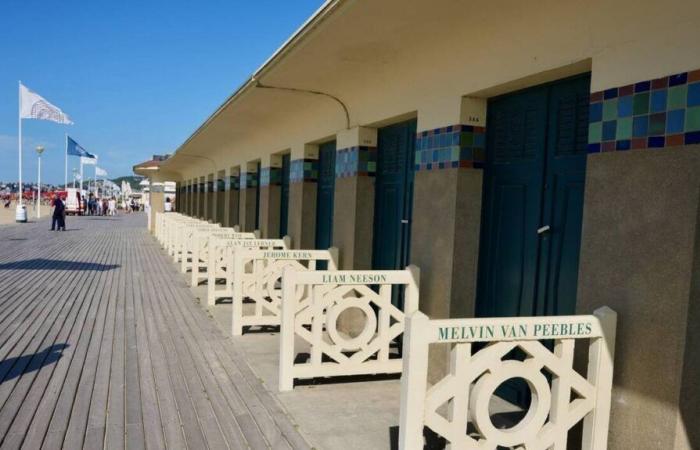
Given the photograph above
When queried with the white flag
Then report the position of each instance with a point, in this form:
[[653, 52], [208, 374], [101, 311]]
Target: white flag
[[34, 106], [86, 161], [78, 177], [100, 172]]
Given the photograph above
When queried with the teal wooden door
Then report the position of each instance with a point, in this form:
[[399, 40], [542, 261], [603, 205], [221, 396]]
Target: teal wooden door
[[284, 196], [325, 193], [257, 197], [533, 200], [393, 195]]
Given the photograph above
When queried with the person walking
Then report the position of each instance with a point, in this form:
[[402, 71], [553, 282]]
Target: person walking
[[58, 220], [112, 206]]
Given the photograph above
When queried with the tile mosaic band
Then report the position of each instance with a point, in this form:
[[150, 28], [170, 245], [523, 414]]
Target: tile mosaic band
[[650, 114], [303, 170], [234, 183], [270, 176], [450, 147], [248, 180], [356, 161]]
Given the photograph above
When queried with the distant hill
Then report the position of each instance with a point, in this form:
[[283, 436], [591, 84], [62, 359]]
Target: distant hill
[[132, 180]]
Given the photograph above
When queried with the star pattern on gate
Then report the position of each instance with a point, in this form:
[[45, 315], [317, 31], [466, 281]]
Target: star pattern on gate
[[474, 379], [383, 323]]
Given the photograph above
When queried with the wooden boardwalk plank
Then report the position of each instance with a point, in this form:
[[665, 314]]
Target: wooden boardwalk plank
[[144, 366]]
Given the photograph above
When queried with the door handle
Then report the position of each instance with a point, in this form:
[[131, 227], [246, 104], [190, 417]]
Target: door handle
[[404, 221], [544, 229]]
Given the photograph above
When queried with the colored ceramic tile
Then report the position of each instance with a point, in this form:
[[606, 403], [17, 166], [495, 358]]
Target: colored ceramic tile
[[692, 138], [624, 128], [610, 109], [678, 79], [595, 132], [639, 143], [610, 93], [624, 106], [609, 130], [624, 144], [677, 97], [595, 112], [642, 86], [656, 141], [626, 90], [692, 119], [658, 101], [693, 94], [608, 146], [641, 103], [657, 123], [596, 96], [674, 140], [694, 76], [659, 83], [675, 121], [640, 126], [594, 148]]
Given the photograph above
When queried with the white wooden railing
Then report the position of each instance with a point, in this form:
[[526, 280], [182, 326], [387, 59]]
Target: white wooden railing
[[257, 278], [332, 293], [462, 398]]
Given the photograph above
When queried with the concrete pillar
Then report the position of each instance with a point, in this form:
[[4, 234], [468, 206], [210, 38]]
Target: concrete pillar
[[302, 196], [353, 216], [210, 199], [248, 197], [640, 255], [270, 195], [448, 184], [156, 201], [233, 199]]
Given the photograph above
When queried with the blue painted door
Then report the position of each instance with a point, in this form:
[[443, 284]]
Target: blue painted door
[[284, 196], [533, 200], [393, 195], [324, 195]]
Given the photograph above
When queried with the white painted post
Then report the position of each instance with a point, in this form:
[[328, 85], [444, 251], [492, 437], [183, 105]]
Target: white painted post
[[412, 291], [257, 234], [287, 241], [414, 380], [287, 313], [335, 258], [237, 299], [601, 356]]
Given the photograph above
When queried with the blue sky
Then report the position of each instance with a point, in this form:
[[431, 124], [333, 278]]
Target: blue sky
[[136, 77]]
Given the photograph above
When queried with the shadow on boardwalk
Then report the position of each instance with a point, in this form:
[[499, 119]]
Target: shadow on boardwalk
[[18, 366], [55, 264]]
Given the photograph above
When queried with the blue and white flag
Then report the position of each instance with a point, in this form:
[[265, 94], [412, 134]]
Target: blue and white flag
[[73, 148]]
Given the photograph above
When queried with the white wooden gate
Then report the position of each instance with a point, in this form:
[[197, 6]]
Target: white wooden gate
[[462, 397], [220, 264], [332, 293], [185, 242], [200, 249], [257, 277]]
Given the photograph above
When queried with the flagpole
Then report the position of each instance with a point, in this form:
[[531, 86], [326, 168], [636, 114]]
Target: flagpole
[[19, 116], [65, 172], [81, 176]]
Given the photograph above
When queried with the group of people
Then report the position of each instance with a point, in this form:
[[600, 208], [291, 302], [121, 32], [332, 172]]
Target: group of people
[[97, 207]]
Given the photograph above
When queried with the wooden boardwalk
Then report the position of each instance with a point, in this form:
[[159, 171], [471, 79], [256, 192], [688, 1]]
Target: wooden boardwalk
[[102, 346]]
